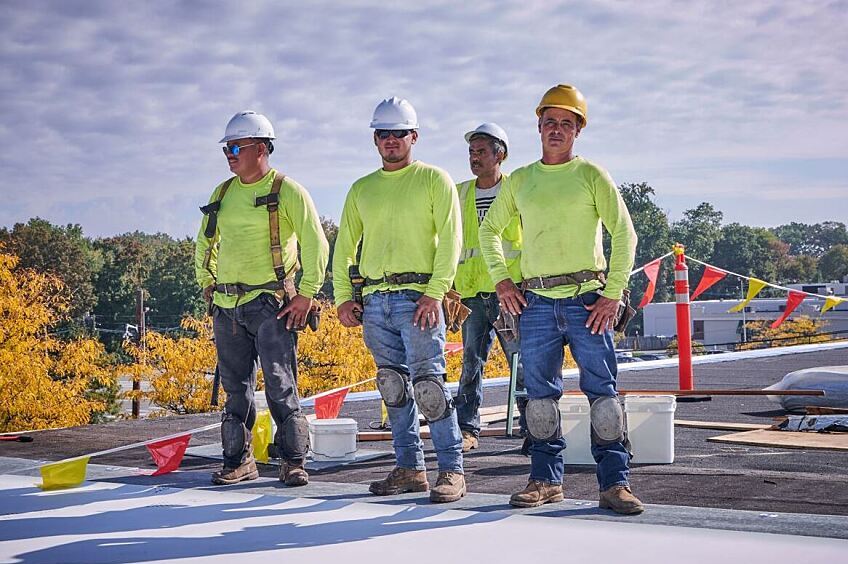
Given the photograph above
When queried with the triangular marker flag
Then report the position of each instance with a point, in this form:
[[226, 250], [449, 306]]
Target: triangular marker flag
[[63, 474], [711, 276], [262, 436], [831, 302], [754, 287], [451, 348], [792, 302], [651, 270], [384, 414], [168, 454], [328, 407]]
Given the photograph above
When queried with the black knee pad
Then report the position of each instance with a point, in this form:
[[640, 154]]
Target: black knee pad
[[295, 435], [235, 437]]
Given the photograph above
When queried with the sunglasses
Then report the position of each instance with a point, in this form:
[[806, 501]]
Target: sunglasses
[[396, 133], [234, 150]]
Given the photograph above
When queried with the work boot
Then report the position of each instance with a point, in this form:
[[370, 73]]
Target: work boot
[[401, 480], [450, 486], [537, 493], [621, 500], [247, 471], [469, 441], [293, 474]]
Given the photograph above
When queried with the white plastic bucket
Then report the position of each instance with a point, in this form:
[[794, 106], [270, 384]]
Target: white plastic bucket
[[333, 439], [576, 429], [650, 427]]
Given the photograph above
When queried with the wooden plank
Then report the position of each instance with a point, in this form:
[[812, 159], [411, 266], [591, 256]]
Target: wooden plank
[[710, 393], [787, 439], [425, 434], [720, 425]]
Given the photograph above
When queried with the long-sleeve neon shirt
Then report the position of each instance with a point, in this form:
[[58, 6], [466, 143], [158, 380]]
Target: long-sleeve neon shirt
[[408, 221], [242, 242], [562, 208]]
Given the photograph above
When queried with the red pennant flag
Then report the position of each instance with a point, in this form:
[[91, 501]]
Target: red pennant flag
[[794, 299], [711, 276], [328, 407], [651, 270], [168, 454], [451, 348]]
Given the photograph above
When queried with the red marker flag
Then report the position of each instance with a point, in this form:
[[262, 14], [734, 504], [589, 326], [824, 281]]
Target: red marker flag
[[793, 301], [328, 407], [451, 348], [651, 270], [710, 277], [168, 454]]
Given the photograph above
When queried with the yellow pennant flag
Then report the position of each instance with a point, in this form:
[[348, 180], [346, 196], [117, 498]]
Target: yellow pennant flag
[[754, 287], [384, 414], [831, 302], [262, 436], [63, 474]]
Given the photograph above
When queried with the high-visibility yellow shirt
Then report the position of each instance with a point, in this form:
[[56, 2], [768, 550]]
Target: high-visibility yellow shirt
[[472, 274], [242, 241], [408, 221], [562, 208]]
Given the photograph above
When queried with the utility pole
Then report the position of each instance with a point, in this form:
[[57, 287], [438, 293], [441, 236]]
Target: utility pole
[[140, 320], [744, 322]]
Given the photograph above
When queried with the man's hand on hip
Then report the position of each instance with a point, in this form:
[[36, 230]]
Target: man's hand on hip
[[297, 310], [602, 314], [428, 312], [510, 296], [350, 313]]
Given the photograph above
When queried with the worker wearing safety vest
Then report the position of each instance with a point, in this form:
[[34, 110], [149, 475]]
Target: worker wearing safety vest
[[488, 147], [404, 218], [565, 297], [245, 260]]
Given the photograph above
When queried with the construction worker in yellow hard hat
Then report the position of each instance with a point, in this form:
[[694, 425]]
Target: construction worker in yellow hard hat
[[245, 260], [404, 217], [566, 297]]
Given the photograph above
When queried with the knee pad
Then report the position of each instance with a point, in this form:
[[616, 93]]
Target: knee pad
[[295, 435], [432, 398], [543, 419], [393, 386], [608, 421], [235, 438]]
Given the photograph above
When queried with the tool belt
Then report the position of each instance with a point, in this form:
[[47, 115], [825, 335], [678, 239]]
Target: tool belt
[[239, 289], [400, 278], [571, 278]]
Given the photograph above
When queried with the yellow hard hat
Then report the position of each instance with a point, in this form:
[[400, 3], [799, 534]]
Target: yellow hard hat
[[566, 97]]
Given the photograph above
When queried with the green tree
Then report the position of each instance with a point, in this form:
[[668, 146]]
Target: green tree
[[813, 240], [833, 264], [799, 269], [331, 232], [60, 251], [750, 251], [698, 231], [171, 286]]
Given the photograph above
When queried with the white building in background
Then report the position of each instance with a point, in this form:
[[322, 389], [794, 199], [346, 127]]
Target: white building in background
[[713, 325]]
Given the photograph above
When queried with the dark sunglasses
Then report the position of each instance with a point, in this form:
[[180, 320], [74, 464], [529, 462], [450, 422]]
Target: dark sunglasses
[[234, 150], [396, 133]]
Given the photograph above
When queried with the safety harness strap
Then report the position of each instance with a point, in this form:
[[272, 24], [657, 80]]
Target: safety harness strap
[[211, 209]]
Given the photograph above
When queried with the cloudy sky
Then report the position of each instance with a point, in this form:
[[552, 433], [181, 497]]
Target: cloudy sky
[[110, 112]]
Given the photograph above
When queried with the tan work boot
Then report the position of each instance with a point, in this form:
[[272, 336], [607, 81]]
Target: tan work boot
[[621, 500], [450, 486], [469, 441], [292, 474], [401, 480], [247, 471], [537, 493]]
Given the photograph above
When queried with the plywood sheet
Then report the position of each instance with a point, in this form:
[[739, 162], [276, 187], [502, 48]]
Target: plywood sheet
[[720, 425], [787, 439]]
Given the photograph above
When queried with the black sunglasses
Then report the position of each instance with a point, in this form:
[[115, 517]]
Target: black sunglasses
[[396, 133]]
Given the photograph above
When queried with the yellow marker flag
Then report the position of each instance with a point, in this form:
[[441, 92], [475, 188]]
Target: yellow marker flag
[[63, 474], [754, 287], [831, 302], [384, 414], [262, 436]]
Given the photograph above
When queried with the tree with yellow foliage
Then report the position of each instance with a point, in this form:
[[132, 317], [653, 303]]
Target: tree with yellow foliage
[[44, 382], [802, 330]]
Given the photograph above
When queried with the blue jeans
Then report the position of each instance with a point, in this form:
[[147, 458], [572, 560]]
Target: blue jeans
[[478, 333], [547, 325], [395, 342]]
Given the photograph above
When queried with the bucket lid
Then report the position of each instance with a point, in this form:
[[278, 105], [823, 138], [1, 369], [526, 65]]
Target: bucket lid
[[341, 423]]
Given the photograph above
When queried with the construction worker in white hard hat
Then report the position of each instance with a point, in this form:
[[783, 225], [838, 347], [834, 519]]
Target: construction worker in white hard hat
[[245, 261], [566, 297], [488, 147], [404, 218]]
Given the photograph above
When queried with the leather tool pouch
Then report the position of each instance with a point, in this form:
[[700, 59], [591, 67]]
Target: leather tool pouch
[[507, 325], [454, 310], [625, 312]]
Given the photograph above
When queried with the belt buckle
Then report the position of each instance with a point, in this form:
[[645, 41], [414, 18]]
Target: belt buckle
[[227, 290], [541, 282]]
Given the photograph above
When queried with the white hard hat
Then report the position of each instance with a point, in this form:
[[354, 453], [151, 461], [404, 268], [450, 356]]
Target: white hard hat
[[394, 113], [248, 124], [492, 130]]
